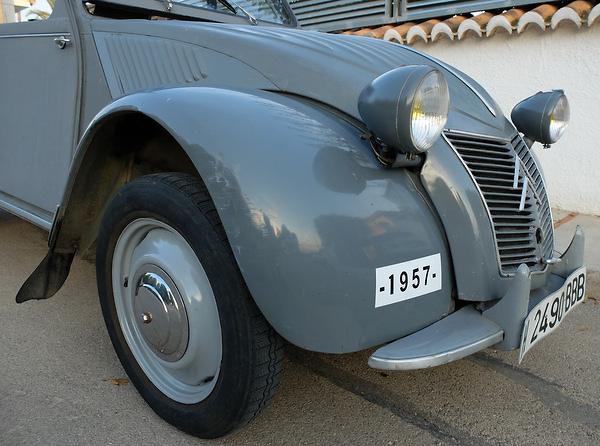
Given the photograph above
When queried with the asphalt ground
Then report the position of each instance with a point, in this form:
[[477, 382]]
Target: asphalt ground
[[62, 384]]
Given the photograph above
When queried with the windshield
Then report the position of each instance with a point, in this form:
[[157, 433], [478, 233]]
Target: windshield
[[270, 10], [274, 11]]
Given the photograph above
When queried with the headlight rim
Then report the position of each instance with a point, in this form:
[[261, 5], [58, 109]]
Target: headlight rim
[[386, 103], [445, 97], [566, 111]]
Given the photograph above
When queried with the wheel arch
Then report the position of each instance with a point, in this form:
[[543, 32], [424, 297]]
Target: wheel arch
[[119, 146], [309, 213]]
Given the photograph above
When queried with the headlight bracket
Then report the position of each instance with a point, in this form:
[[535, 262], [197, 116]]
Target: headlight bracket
[[389, 156]]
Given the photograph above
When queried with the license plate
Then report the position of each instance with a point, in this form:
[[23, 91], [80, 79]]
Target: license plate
[[407, 280], [549, 313]]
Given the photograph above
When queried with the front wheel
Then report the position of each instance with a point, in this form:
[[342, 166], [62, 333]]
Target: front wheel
[[177, 310]]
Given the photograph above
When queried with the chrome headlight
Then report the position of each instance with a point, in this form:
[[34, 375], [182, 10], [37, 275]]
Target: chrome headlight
[[407, 108], [542, 117]]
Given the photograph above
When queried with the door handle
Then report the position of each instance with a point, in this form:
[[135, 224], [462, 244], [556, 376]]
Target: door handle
[[62, 41]]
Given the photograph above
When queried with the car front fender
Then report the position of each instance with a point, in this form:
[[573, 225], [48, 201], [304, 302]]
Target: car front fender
[[309, 214]]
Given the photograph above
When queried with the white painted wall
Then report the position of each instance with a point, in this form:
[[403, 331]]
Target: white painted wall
[[512, 68]]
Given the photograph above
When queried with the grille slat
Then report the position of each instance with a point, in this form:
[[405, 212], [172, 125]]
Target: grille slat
[[514, 233], [513, 240], [522, 222]]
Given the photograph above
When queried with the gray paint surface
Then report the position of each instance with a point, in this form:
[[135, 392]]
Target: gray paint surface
[[318, 287], [308, 211], [39, 96]]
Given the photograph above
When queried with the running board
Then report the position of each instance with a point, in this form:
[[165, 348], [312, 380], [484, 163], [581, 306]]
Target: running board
[[461, 334]]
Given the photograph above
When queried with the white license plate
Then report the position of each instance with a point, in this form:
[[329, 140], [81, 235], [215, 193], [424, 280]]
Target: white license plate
[[407, 280], [549, 313]]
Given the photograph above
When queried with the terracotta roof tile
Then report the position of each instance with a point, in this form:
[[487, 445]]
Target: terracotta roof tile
[[398, 33], [476, 24], [576, 12], [507, 21], [594, 14], [543, 16], [361, 32], [448, 27], [539, 16], [421, 31]]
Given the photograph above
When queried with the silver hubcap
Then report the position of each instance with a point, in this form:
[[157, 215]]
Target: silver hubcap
[[167, 310], [162, 318]]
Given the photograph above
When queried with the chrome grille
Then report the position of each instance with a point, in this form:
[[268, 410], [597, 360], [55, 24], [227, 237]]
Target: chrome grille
[[512, 188]]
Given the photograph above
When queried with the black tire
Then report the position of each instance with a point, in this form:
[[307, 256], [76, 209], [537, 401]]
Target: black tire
[[156, 228]]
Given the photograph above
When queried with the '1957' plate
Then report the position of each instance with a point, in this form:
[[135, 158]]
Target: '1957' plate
[[407, 280], [549, 313]]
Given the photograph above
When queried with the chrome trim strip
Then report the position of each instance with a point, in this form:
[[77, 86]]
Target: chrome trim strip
[[478, 135], [523, 195], [517, 172], [13, 36], [31, 218]]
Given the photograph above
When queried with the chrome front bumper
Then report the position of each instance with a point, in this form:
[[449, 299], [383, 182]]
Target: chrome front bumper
[[469, 330]]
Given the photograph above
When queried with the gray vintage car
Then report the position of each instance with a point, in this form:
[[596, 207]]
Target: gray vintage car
[[239, 181]]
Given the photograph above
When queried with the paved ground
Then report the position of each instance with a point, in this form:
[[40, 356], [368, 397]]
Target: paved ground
[[57, 363]]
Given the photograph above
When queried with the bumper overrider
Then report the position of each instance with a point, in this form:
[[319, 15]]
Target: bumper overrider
[[519, 319]]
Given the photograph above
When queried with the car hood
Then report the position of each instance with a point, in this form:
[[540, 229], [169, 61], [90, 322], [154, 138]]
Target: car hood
[[332, 69]]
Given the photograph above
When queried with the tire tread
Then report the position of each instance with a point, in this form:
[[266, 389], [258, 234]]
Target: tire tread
[[268, 346]]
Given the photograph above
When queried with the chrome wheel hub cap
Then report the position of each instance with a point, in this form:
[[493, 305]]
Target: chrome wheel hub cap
[[162, 318]]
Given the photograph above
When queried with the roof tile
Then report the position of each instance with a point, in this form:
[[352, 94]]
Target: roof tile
[[594, 14], [539, 16], [476, 24], [576, 12], [398, 33], [507, 20], [421, 31], [543, 16], [448, 27]]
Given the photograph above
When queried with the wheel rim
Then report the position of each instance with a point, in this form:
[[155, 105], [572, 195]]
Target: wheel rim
[[166, 310]]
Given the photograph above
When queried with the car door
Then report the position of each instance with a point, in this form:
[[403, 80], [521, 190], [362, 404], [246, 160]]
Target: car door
[[38, 106]]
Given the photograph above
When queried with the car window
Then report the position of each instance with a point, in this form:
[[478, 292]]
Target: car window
[[274, 11], [270, 10], [25, 10]]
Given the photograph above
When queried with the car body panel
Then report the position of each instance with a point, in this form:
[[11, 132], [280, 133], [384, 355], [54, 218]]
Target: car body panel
[[469, 231], [317, 66], [31, 184], [306, 249], [268, 118], [315, 60]]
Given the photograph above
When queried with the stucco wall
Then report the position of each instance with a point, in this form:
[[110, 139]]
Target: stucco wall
[[514, 67]]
